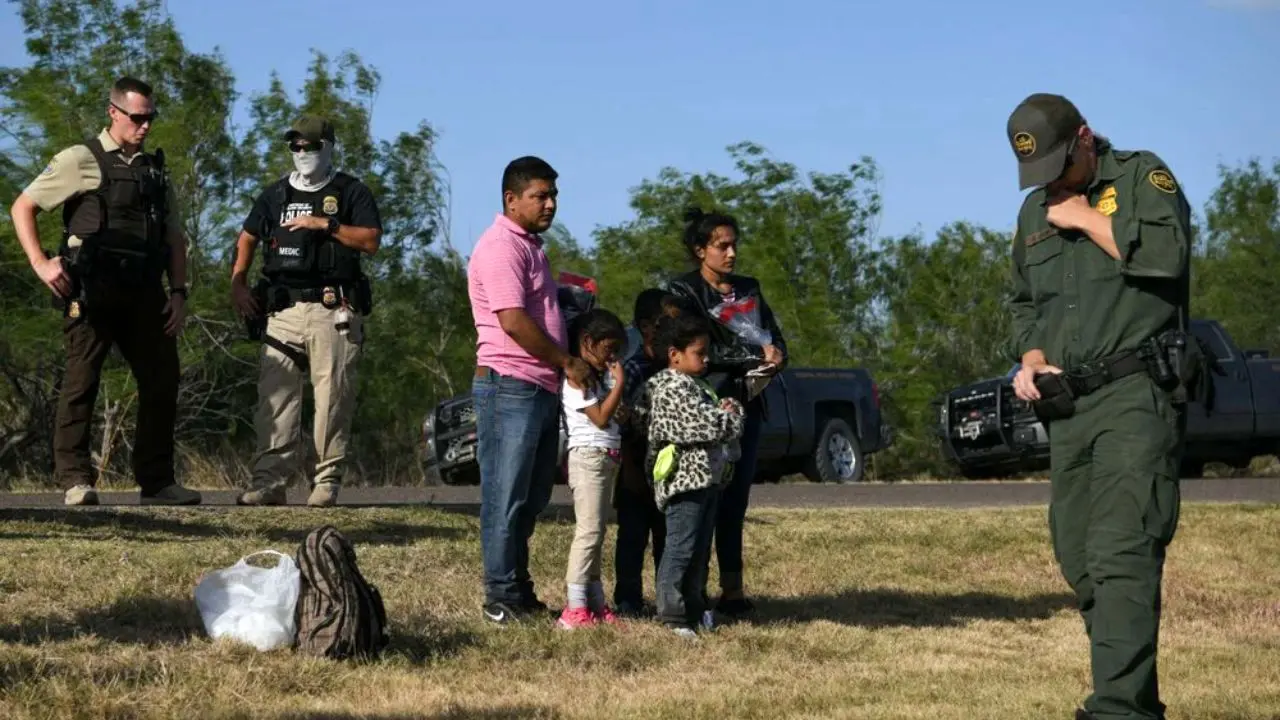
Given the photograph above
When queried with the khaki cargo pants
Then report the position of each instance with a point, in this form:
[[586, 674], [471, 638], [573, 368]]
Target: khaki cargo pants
[[332, 356]]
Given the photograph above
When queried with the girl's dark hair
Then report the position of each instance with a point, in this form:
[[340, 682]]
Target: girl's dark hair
[[679, 332], [599, 325], [698, 227]]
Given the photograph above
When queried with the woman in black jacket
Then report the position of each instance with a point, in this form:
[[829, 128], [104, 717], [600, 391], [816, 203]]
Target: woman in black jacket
[[712, 242]]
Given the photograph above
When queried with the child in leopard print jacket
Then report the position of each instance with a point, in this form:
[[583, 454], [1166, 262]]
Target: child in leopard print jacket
[[692, 443]]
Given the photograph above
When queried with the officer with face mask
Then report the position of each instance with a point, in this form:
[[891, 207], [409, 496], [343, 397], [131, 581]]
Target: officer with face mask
[[315, 224]]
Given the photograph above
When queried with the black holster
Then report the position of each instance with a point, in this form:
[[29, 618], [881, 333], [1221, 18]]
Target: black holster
[[1057, 397], [256, 325], [78, 263], [1181, 364]]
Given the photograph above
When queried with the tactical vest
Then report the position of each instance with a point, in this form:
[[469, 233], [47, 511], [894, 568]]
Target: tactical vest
[[311, 258], [126, 214]]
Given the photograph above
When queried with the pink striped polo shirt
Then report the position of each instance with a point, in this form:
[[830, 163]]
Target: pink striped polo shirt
[[508, 269]]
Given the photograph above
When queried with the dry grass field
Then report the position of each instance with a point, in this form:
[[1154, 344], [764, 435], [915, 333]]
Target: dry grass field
[[862, 614]]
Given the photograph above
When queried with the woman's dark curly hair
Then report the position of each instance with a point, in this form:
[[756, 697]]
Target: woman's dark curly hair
[[699, 225]]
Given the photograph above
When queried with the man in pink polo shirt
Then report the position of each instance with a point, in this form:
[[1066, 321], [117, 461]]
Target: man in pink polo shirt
[[521, 350]]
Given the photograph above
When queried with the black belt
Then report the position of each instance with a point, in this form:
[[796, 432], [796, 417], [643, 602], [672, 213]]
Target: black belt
[[1091, 376], [316, 294]]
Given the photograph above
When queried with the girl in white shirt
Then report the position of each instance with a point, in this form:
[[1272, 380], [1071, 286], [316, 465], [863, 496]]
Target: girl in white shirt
[[594, 444]]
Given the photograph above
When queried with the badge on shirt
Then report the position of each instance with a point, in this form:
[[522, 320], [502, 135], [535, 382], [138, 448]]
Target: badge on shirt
[[1107, 201], [330, 205]]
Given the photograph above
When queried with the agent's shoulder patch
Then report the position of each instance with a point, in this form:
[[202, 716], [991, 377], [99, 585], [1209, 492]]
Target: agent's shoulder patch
[[1162, 180]]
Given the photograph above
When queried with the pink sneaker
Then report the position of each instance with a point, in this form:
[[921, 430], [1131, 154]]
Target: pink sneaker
[[575, 618], [605, 615]]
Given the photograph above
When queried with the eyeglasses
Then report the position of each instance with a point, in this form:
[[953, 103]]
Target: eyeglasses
[[305, 147], [136, 118]]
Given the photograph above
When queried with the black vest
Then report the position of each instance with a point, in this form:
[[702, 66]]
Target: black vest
[[126, 214], [304, 259]]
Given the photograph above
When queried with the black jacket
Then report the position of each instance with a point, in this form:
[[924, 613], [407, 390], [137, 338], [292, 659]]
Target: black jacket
[[729, 357]]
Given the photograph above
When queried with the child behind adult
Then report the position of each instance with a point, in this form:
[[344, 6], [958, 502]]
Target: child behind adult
[[701, 432], [594, 447], [638, 516]]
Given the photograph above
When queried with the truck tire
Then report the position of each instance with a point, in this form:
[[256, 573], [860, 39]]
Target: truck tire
[[837, 456]]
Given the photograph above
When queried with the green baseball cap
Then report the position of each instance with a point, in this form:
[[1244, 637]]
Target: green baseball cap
[[311, 128], [1040, 131]]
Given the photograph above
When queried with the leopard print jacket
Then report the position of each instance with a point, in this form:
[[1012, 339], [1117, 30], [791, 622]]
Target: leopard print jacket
[[682, 414]]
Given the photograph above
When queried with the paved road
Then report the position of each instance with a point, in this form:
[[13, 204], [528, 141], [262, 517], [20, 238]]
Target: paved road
[[797, 495]]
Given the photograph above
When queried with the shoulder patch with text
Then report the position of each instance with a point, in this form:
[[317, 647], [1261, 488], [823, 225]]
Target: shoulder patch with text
[[1162, 181]]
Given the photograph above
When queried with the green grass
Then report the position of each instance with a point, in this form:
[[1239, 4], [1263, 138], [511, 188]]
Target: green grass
[[864, 613]]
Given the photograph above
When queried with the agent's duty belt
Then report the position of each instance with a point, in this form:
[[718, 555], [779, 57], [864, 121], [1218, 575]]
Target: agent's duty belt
[[1059, 392], [1089, 377]]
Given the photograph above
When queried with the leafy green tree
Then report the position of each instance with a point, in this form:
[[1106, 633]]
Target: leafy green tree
[[946, 322], [1239, 273], [806, 238], [417, 339], [78, 48]]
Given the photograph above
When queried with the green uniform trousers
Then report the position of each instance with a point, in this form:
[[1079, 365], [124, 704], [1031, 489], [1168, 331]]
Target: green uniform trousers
[[1114, 509]]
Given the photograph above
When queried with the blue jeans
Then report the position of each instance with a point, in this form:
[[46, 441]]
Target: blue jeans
[[638, 519], [733, 504], [682, 572], [517, 439]]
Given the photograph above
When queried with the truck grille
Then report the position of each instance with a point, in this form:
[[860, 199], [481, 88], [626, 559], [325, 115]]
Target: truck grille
[[988, 419]]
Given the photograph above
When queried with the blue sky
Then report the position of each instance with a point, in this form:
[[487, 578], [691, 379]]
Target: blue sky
[[610, 92]]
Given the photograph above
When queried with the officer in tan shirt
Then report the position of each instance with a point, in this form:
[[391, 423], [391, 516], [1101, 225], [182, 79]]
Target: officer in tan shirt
[[314, 226], [121, 233]]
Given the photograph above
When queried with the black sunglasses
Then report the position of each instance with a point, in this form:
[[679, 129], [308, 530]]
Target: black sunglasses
[[299, 146], [137, 118]]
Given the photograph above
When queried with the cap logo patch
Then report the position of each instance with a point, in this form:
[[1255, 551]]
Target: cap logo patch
[[1162, 181], [1107, 201], [330, 205], [1024, 144]]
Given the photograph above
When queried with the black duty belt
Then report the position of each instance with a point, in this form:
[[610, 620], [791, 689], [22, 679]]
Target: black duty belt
[[1089, 377], [317, 294]]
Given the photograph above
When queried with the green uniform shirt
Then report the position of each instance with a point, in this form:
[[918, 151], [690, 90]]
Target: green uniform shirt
[[1075, 302]]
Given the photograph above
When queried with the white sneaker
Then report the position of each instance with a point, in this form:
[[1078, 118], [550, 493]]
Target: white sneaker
[[80, 495], [686, 633]]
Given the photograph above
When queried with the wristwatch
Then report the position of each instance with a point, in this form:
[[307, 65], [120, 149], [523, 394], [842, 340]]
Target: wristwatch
[[178, 291], [333, 225]]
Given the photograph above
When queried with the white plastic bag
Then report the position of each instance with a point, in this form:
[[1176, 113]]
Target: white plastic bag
[[251, 604]]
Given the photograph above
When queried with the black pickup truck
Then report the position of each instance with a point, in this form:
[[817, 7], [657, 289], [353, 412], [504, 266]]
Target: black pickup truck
[[986, 431], [820, 422]]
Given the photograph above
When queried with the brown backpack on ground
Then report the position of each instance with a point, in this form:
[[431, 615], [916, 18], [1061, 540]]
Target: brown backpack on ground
[[340, 615]]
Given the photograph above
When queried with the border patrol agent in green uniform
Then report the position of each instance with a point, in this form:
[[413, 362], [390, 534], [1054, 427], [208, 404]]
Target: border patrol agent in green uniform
[[1099, 307]]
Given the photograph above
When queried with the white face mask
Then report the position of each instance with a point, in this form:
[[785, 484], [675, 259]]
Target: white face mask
[[313, 167]]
